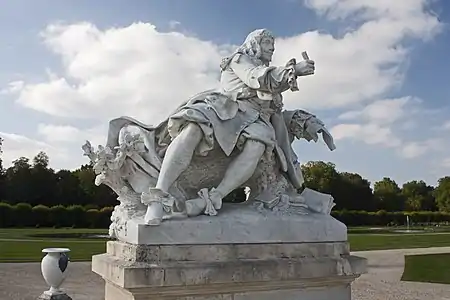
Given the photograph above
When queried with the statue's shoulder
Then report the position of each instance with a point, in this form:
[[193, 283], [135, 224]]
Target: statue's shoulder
[[241, 58]]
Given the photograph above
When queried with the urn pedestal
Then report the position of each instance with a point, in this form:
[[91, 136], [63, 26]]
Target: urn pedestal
[[240, 254], [54, 270]]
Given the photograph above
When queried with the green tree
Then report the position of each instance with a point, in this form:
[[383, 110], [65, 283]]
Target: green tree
[[99, 195], [17, 179], [387, 195], [350, 190], [1, 152], [2, 174], [353, 193], [418, 196], [33, 184], [442, 194], [68, 190], [41, 160], [42, 181], [321, 176]]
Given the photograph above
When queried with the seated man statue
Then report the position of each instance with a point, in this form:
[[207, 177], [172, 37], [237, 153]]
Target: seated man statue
[[243, 114]]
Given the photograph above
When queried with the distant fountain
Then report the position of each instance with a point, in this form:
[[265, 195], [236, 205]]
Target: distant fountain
[[408, 227]]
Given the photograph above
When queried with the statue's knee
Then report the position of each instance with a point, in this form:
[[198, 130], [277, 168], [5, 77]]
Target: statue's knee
[[192, 131], [189, 137]]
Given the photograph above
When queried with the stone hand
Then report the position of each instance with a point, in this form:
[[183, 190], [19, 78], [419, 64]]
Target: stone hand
[[305, 67]]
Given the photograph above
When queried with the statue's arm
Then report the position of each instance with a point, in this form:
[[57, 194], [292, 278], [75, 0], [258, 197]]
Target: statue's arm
[[267, 79]]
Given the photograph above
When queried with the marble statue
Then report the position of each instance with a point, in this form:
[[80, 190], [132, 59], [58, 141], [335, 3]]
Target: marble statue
[[237, 135]]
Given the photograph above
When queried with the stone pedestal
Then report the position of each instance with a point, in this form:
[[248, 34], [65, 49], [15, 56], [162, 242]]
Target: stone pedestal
[[245, 254], [50, 296]]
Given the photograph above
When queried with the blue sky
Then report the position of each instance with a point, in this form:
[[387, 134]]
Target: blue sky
[[70, 66]]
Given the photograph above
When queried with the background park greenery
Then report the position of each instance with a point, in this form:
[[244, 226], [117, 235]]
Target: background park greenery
[[33, 194], [60, 205]]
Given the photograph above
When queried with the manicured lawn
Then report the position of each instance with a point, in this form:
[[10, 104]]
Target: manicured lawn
[[30, 251], [397, 230], [427, 268], [33, 233], [25, 245], [363, 242]]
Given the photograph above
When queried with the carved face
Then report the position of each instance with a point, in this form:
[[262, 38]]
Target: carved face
[[267, 45]]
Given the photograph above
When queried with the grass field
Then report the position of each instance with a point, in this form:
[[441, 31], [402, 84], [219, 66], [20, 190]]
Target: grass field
[[432, 268], [363, 242], [25, 245], [398, 230]]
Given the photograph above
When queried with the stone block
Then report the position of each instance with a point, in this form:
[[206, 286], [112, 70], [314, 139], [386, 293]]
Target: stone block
[[241, 254], [228, 271], [50, 296], [243, 224]]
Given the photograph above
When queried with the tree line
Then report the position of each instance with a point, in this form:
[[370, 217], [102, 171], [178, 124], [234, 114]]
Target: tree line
[[353, 192], [35, 183], [24, 215]]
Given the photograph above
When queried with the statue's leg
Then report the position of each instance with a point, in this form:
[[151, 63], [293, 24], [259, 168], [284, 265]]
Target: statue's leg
[[178, 156], [241, 168], [176, 160]]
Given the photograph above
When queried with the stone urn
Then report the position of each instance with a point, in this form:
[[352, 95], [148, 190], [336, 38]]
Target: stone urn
[[54, 268]]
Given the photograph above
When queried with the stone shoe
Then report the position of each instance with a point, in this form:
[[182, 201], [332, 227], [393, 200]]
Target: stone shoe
[[160, 205]]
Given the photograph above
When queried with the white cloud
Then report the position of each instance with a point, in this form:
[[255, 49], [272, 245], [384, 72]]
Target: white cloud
[[381, 123], [372, 134], [61, 142], [418, 148], [413, 149], [144, 73], [13, 87], [63, 133], [382, 111], [446, 162], [446, 125], [70, 134], [16, 145], [374, 123], [139, 71], [55, 97], [134, 70], [365, 63], [174, 24], [398, 12]]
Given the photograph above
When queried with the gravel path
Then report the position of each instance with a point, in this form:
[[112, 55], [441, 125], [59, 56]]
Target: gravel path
[[385, 271], [23, 281]]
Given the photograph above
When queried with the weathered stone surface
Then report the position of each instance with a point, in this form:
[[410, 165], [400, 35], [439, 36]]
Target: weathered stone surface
[[334, 293], [227, 271], [242, 224], [224, 252], [136, 275], [48, 296]]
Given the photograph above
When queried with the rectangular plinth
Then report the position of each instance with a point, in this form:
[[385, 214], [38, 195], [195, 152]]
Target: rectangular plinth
[[336, 292], [228, 271], [224, 253], [244, 225]]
